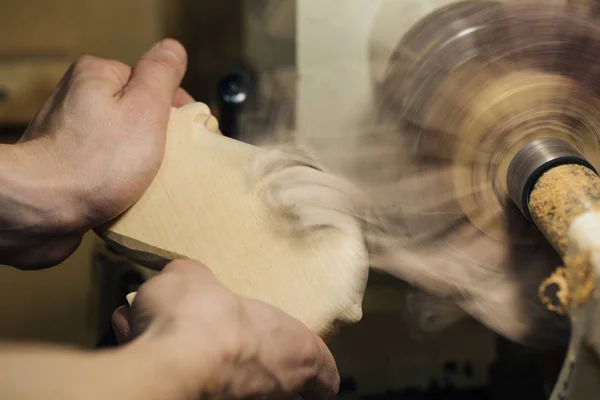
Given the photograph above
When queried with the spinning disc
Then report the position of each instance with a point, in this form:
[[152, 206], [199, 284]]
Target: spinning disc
[[460, 87], [477, 80], [465, 89]]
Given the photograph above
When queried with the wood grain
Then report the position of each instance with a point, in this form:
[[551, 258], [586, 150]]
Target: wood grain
[[201, 206]]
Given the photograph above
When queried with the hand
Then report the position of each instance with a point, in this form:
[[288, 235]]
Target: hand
[[88, 155], [223, 345]]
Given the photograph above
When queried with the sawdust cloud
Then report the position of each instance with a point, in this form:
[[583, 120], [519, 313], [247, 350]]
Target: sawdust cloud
[[422, 184]]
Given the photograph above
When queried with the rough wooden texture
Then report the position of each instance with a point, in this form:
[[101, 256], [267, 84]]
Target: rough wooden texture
[[560, 195], [201, 206], [570, 286]]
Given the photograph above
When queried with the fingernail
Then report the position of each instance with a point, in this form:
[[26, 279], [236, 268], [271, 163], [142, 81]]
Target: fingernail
[[173, 49], [130, 297]]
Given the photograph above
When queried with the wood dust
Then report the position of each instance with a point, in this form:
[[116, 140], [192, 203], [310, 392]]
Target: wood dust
[[560, 196], [570, 286]]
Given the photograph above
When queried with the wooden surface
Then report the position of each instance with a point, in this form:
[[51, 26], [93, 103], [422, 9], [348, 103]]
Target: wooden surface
[[202, 206]]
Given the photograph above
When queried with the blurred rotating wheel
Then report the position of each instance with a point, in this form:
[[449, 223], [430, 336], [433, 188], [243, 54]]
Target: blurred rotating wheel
[[471, 83], [463, 88]]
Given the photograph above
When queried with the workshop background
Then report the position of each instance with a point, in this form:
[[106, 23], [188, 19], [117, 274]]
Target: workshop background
[[295, 64]]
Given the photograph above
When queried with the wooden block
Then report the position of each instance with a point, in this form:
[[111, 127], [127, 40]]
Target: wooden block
[[202, 205]]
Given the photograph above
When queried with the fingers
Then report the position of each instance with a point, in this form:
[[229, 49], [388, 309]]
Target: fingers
[[86, 75], [301, 359], [121, 326], [189, 268], [158, 74], [159, 71], [158, 297], [327, 380], [188, 296], [110, 75]]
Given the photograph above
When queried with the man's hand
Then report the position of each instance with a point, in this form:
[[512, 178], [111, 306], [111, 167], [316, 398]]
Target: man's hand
[[89, 154], [187, 338], [218, 344]]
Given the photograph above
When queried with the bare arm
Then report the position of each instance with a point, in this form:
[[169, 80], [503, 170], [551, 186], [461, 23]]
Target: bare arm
[[88, 155], [37, 218], [132, 372], [186, 337]]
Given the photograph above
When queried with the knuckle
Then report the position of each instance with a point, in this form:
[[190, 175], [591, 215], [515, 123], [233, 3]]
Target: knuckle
[[230, 309], [234, 345], [91, 73], [112, 63], [310, 353], [232, 348], [85, 62], [335, 383]]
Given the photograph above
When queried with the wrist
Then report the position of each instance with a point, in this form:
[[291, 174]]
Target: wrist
[[34, 198], [39, 221], [149, 369]]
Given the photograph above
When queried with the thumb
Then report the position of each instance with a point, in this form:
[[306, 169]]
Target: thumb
[[158, 74]]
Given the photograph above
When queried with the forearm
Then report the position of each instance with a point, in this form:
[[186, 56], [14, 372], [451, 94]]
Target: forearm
[[36, 209], [129, 373]]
